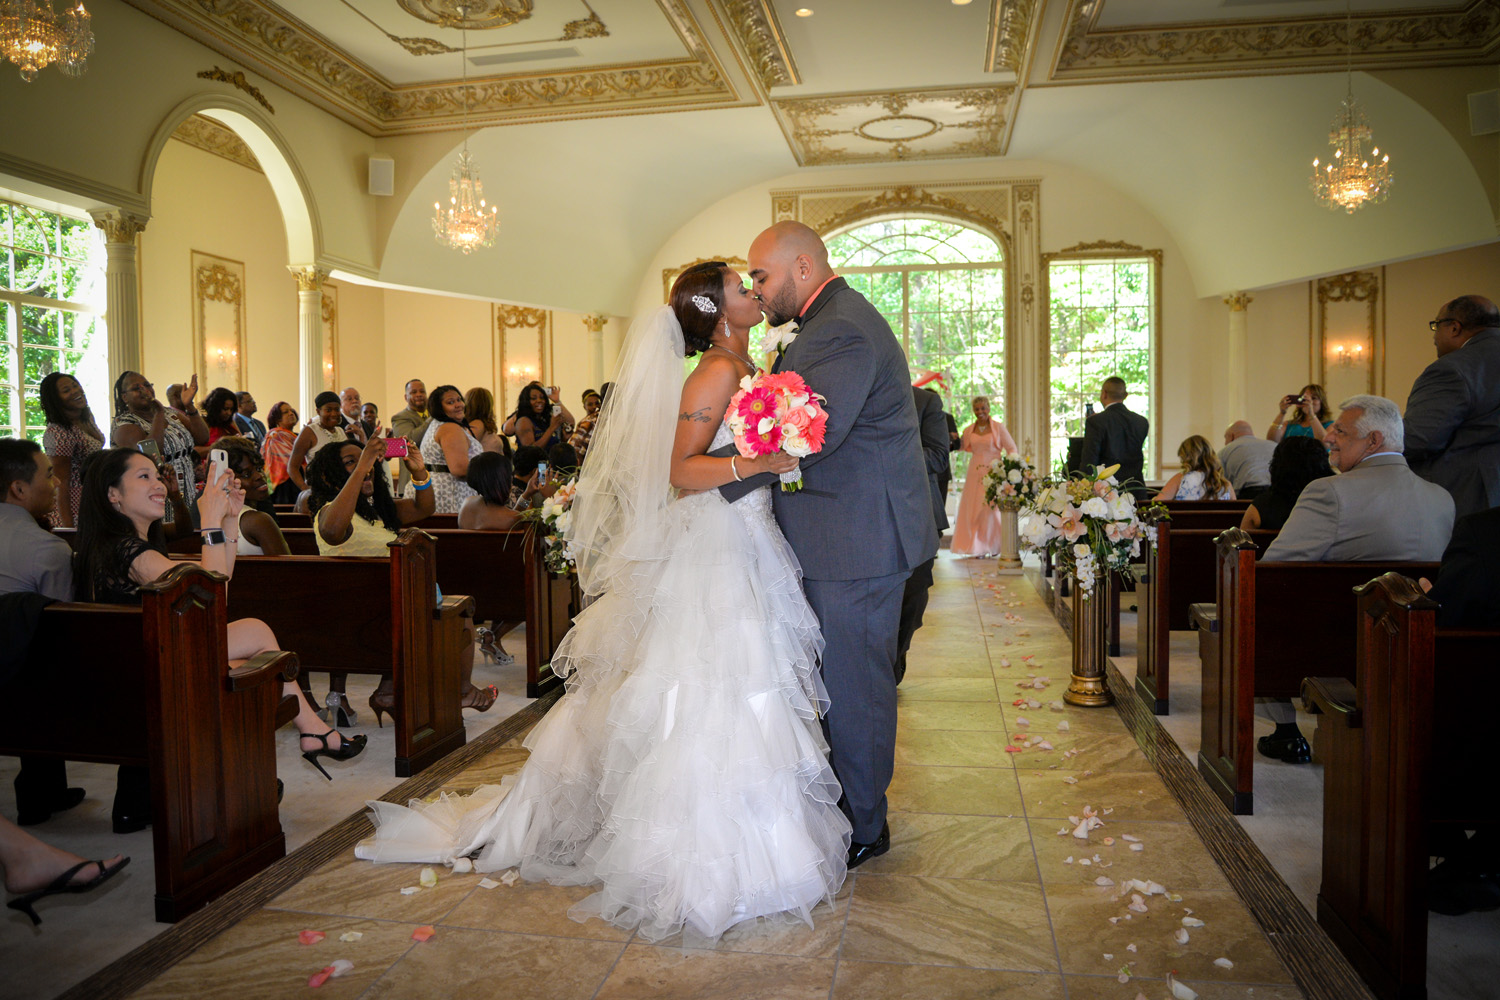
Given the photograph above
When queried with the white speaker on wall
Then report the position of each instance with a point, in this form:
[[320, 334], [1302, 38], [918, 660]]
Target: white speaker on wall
[[1484, 112], [382, 175]]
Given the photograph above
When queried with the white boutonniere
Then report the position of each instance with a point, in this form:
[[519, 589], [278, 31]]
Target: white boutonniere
[[781, 337]]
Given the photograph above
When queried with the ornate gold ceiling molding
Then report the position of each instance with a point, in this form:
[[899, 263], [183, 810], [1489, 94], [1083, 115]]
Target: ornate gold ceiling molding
[[1010, 34], [211, 137], [483, 15], [988, 205], [947, 123], [755, 24], [1465, 34], [238, 81], [266, 38]]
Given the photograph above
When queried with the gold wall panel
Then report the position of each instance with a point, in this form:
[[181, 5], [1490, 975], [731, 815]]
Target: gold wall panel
[[218, 296]]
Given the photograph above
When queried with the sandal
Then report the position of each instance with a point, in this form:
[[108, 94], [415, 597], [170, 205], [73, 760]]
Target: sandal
[[479, 699], [60, 885], [489, 645]]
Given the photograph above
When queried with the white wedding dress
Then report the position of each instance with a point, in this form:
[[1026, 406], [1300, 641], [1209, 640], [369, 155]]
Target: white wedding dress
[[684, 773]]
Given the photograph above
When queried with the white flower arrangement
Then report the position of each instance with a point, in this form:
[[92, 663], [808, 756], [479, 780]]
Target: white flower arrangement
[[1089, 524], [555, 517], [1012, 480], [780, 337]]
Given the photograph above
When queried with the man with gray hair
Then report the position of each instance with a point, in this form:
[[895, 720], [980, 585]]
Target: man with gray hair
[[1378, 509], [1453, 412]]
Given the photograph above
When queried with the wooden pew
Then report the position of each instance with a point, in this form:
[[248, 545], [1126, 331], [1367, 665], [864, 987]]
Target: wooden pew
[[289, 519], [1400, 748], [161, 695], [1179, 572], [1278, 622], [506, 575], [370, 616]]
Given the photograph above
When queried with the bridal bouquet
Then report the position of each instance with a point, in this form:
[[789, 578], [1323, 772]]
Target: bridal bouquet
[[777, 412], [1010, 481], [1089, 524]]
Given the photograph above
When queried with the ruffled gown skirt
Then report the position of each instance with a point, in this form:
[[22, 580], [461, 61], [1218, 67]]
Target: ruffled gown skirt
[[684, 773]]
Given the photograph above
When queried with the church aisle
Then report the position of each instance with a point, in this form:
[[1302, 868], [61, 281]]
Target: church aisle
[[985, 893]]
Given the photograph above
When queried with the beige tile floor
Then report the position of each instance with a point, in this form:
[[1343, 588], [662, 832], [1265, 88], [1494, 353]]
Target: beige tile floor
[[979, 897]]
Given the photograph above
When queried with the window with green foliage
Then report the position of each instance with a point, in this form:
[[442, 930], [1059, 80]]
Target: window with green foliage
[[1103, 322], [941, 286], [51, 313]]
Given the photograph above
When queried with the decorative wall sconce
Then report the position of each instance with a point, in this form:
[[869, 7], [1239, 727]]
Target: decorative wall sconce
[[1346, 356], [525, 372], [226, 361]]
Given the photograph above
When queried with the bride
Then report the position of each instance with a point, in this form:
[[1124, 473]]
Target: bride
[[684, 773]]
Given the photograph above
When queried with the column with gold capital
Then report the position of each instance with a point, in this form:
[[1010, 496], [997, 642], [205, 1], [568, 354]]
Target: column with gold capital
[[1237, 354], [309, 335], [594, 323], [121, 284]]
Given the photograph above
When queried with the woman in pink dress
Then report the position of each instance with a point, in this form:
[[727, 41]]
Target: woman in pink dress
[[977, 531]]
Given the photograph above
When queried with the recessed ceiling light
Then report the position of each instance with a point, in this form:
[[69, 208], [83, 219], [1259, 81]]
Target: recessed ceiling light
[[804, 12]]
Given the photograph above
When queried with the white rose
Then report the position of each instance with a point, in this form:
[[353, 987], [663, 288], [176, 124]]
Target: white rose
[[1095, 507], [1015, 475]]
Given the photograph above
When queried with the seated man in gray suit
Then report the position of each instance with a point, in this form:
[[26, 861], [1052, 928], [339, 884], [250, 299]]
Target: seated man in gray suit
[[1377, 510], [1453, 412]]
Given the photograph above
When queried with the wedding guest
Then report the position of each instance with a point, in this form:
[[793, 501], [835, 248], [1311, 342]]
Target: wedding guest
[[219, 411], [34, 869], [277, 451], [541, 419], [410, 423], [245, 418], [369, 421], [977, 530], [1453, 413], [489, 509], [479, 411], [350, 411], [585, 428], [562, 463], [121, 547], [327, 429], [71, 436], [356, 515], [1296, 462], [174, 432], [1116, 435], [1310, 416], [524, 482], [260, 535], [447, 448], [1468, 581], [935, 452], [1246, 459], [1201, 477]]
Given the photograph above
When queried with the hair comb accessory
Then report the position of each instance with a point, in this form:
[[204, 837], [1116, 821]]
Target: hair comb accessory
[[705, 304]]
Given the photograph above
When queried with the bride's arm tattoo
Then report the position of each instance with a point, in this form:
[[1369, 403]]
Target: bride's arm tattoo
[[700, 416]]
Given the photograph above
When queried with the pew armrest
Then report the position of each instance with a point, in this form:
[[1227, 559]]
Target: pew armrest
[[454, 606], [263, 668], [1333, 697], [1204, 616]]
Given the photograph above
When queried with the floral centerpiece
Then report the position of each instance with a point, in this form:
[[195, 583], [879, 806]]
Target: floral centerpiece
[[1011, 481], [1090, 525], [777, 412], [553, 518]]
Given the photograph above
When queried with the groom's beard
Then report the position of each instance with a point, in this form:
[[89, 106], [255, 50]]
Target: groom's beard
[[784, 307]]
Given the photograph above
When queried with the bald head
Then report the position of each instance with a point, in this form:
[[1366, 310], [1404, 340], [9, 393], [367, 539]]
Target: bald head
[[788, 263], [1238, 429]]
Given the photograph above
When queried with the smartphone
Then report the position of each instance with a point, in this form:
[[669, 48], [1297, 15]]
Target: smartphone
[[220, 464], [541, 471], [149, 449], [395, 447]]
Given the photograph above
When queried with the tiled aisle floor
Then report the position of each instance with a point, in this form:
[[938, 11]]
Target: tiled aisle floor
[[979, 897]]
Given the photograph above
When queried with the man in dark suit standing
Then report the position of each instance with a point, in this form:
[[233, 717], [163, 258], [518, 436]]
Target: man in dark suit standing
[[935, 451], [863, 519], [1116, 436], [1453, 412]]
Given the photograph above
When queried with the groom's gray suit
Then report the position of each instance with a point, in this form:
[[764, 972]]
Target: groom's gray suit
[[860, 524]]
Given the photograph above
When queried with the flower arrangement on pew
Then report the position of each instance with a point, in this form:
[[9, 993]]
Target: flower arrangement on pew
[[553, 518], [1089, 524], [1011, 481]]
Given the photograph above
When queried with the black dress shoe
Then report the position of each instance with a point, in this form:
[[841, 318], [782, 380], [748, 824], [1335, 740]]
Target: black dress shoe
[[860, 853], [1290, 749], [30, 813]]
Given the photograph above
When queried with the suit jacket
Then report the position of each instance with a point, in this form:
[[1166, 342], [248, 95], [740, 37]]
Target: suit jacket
[[935, 449], [1116, 435], [865, 509], [411, 425], [254, 429], [1453, 423], [1378, 510], [1468, 584]]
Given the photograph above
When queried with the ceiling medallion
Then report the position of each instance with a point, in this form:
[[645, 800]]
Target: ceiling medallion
[[898, 128], [479, 15]]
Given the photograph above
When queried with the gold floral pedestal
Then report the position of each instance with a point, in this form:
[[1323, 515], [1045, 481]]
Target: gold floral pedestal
[[1089, 686], [1010, 536]]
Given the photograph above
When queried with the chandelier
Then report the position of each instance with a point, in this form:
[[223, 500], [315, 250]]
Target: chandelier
[[467, 224], [1351, 178], [33, 37]]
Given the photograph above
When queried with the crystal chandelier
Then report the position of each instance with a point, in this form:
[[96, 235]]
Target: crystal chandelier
[[467, 224], [1351, 178], [33, 37]]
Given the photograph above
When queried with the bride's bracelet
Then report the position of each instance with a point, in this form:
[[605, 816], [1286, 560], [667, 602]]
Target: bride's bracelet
[[733, 471]]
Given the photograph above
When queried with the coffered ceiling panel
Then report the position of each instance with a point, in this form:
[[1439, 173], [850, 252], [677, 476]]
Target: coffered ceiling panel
[[887, 125]]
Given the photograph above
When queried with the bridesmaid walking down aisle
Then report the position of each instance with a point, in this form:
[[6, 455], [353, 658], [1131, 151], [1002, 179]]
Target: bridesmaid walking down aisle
[[977, 529]]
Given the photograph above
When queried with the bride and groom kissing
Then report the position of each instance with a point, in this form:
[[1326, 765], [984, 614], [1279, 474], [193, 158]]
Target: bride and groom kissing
[[728, 733]]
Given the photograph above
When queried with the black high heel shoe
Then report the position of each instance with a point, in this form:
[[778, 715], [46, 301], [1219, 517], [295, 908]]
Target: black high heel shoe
[[383, 701], [349, 748], [26, 904]]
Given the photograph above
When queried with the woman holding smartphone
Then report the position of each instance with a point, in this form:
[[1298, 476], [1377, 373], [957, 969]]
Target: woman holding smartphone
[[446, 448]]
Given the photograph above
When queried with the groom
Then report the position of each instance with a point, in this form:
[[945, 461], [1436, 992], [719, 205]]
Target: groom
[[863, 519]]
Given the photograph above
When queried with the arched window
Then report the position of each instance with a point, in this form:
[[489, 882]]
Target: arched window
[[941, 286]]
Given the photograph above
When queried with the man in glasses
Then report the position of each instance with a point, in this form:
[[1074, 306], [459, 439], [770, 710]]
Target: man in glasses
[[1453, 412]]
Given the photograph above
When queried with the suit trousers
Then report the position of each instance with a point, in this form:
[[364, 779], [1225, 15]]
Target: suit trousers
[[860, 620]]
